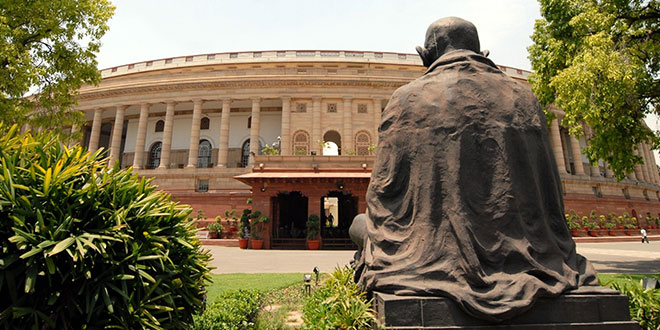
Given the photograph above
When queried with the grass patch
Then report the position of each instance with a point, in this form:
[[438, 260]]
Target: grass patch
[[264, 282], [606, 278]]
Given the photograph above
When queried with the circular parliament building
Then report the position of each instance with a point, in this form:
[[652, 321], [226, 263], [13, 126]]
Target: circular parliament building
[[296, 132]]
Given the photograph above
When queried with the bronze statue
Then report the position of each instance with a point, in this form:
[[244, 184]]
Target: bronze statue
[[465, 199]]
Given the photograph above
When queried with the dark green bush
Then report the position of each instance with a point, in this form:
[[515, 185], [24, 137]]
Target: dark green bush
[[233, 310], [84, 246], [339, 304], [644, 304]]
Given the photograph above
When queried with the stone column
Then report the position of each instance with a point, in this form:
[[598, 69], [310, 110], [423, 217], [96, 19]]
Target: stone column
[[638, 168], [141, 136], [74, 130], [285, 131], [167, 136], [316, 125], [223, 144], [377, 117], [608, 171], [96, 131], [654, 166], [193, 147], [254, 131], [555, 138], [347, 143], [118, 128], [577, 155], [645, 169], [652, 172]]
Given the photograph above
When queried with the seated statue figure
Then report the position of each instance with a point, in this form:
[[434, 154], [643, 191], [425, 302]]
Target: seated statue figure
[[465, 198]]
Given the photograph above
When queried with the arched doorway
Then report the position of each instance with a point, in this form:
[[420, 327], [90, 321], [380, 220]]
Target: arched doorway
[[289, 220], [332, 145], [338, 208]]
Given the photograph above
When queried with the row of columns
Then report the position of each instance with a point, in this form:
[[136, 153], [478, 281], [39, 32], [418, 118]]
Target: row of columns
[[223, 146], [646, 172]]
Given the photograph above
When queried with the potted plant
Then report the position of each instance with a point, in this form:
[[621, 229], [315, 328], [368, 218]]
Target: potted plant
[[593, 229], [230, 217], [215, 230], [244, 229], [313, 223], [628, 229], [610, 228], [572, 224], [256, 228], [574, 227]]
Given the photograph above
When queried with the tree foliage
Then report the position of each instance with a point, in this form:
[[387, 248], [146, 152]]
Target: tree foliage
[[85, 246], [598, 61], [47, 49]]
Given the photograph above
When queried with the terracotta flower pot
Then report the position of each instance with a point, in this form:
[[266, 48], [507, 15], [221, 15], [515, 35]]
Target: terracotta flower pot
[[257, 244], [574, 233], [593, 233], [213, 234], [313, 244], [611, 232], [242, 243]]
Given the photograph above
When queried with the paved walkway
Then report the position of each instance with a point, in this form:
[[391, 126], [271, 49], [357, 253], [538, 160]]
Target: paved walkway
[[620, 257]]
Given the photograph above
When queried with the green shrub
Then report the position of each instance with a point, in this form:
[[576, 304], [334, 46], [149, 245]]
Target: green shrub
[[339, 304], [84, 246], [233, 310], [644, 304]]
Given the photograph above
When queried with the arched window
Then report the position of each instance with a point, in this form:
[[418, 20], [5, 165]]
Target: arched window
[[206, 122], [300, 143], [160, 126], [154, 155], [204, 154], [362, 143]]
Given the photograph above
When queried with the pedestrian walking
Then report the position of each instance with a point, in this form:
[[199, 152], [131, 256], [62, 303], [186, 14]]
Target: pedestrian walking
[[644, 237]]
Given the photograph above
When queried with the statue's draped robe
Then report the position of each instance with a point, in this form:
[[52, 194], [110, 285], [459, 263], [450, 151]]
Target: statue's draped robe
[[465, 200]]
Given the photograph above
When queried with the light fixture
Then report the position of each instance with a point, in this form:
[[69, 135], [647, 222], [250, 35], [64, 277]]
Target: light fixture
[[364, 166], [261, 166], [316, 271], [315, 167], [263, 189], [307, 280], [340, 186]]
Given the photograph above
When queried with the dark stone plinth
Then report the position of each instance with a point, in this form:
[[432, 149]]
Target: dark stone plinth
[[585, 308]]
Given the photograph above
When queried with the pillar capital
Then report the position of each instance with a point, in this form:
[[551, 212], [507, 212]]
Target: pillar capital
[[285, 97], [255, 99], [198, 101], [316, 98], [226, 100], [347, 97]]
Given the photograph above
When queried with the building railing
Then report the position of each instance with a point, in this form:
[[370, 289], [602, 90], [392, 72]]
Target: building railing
[[273, 56]]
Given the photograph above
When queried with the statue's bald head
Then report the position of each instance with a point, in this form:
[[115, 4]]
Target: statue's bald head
[[447, 34]]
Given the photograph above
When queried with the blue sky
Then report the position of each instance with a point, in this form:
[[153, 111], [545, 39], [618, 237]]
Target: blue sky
[[151, 29]]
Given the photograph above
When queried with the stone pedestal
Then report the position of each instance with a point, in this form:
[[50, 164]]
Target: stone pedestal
[[592, 308]]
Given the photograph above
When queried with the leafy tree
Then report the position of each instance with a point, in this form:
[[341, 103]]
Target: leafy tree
[[47, 49], [85, 246], [599, 60]]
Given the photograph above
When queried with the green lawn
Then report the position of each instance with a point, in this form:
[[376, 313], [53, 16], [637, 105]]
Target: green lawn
[[606, 278], [263, 281]]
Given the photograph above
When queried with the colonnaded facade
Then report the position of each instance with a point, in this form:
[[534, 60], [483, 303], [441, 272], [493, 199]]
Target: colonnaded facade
[[198, 125]]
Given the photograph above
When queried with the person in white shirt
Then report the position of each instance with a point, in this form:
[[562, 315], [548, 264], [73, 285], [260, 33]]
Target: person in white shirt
[[644, 237]]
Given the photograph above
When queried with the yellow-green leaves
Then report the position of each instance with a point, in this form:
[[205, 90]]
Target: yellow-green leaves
[[597, 61]]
